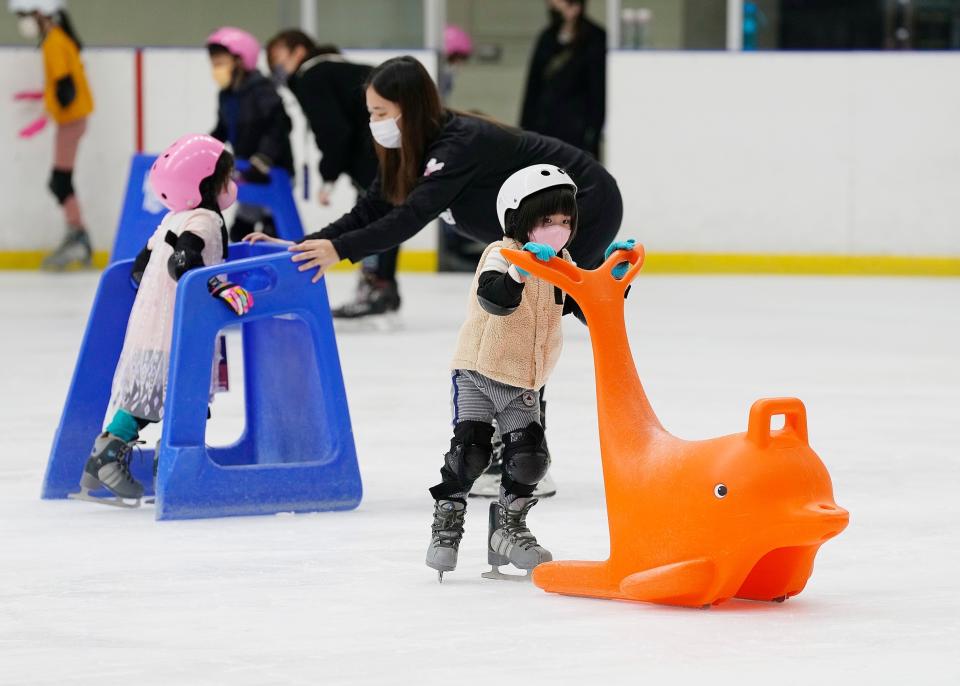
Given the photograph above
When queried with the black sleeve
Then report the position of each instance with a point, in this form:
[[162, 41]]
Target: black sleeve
[[187, 253], [531, 94], [332, 128], [369, 208], [140, 265], [570, 306], [432, 195], [275, 138], [498, 293], [220, 129], [66, 91]]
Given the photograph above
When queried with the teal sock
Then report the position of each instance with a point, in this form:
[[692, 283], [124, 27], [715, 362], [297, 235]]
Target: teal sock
[[124, 426]]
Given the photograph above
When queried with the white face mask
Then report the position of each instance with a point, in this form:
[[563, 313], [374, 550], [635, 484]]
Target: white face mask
[[386, 132], [27, 26]]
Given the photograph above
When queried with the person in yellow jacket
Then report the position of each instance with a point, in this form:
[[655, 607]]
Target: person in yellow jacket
[[68, 101]]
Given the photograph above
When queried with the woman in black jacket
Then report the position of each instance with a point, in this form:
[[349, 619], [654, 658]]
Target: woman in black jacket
[[330, 91], [436, 162], [566, 85]]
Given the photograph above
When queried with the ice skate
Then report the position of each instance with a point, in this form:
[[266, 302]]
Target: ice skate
[[509, 541], [109, 467], [375, 307], [447, 531], [74, 251]]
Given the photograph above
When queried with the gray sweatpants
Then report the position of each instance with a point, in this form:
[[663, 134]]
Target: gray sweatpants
[[475, 397]]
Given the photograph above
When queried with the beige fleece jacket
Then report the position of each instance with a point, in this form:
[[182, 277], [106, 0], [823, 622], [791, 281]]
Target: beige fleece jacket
[[521, 348]]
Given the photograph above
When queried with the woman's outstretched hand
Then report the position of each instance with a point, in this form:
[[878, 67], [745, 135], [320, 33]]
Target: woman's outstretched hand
[[258, 236], [317, 253]]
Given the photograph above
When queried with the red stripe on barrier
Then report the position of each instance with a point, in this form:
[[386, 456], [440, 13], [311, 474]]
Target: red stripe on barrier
[[138, 97]]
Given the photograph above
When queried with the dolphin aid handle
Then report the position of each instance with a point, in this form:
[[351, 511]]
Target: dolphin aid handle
[[761, 412]]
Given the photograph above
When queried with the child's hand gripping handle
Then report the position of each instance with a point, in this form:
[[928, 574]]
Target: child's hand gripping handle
[[608, 280], [236, 297]]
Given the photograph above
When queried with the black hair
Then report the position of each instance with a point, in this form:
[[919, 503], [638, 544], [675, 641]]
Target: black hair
[[533, 208], [63, 19], [211, 186], [214, 49]]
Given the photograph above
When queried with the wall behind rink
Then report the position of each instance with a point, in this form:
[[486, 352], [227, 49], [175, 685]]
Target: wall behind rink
[[843, 154], [178, 97]]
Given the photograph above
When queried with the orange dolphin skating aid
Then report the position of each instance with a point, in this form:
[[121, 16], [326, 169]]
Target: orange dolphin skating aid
[[691, 522]]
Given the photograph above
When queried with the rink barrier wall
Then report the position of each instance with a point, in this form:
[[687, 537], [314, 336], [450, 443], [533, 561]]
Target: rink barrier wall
[[787, 153], [662, 263], [34, 222]]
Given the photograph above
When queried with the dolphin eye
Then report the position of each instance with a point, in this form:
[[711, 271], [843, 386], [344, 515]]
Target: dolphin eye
[[720, 490]]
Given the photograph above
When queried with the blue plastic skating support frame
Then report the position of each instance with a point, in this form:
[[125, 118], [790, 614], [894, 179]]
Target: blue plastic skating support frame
[[142, 213], [297, 452]]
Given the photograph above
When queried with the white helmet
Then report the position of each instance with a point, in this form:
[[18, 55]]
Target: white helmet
[[527, 181], [46, 7]]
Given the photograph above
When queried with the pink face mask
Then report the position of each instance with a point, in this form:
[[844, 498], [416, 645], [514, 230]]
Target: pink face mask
[[228, 197], [554, 235]]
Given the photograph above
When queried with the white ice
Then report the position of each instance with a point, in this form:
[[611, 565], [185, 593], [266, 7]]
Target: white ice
[[90, 594]]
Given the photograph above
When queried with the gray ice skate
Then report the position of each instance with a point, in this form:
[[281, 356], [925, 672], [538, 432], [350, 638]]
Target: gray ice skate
[[74, 250], [447, 531], [509, 541], [109, 467]]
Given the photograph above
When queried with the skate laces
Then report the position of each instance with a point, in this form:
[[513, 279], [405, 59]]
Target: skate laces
[[514, 524], [124, 456], [447, 525]]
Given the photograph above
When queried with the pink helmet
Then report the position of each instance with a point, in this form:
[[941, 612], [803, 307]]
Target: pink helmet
[[457, 42], [176, 175], [239, 43]]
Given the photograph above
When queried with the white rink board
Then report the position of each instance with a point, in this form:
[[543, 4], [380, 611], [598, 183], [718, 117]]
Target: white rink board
[[845, 153], [179, 96]]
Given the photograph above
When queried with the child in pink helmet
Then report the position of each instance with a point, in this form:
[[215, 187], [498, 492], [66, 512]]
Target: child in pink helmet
[[192, 178], [250, 117]]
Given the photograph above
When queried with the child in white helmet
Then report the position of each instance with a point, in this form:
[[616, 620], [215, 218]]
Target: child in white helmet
[[507, 348], [192, 178]]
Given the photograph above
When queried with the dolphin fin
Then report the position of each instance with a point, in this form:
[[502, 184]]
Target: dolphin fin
[[576, 578], [680, 583]]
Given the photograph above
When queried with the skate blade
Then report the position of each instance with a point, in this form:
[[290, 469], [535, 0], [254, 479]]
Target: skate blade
[[115, 501], [497, 575]]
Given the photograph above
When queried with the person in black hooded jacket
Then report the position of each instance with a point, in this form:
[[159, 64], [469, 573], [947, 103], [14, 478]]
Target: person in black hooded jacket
[[566, 85], [446, 163], [251, 117], [330, 92]]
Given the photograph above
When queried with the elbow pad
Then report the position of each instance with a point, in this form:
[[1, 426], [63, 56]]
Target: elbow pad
[[66, 91], [493, 308], [187, 254]]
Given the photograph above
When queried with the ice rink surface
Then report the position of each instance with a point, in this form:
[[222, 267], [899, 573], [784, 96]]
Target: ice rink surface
[[91, 594]]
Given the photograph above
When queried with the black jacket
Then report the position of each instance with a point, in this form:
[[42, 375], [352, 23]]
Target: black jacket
[[331, 95], [262, 126], [566, 88], [469, 161]]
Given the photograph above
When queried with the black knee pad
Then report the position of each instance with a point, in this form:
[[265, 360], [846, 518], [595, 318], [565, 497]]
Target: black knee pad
[[470, 450], [525, 455], [61, 184]]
